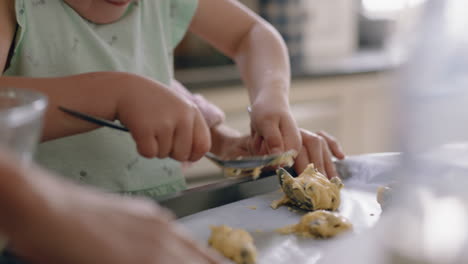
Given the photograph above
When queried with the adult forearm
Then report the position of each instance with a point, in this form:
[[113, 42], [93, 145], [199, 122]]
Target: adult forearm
[[78, 92], [263, 61], [18, 197]]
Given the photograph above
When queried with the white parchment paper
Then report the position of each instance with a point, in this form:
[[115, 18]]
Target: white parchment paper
[[362, 174]]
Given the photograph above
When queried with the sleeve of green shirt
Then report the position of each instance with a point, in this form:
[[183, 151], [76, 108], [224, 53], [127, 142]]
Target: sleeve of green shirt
[[182, 12]]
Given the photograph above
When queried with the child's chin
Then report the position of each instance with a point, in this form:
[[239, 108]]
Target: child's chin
[[105, 19]]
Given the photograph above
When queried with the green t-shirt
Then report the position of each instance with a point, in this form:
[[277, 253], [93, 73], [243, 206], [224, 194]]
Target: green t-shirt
[[53, 40]]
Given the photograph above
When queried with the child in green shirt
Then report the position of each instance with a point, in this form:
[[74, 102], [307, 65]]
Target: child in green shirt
[[113, 59]]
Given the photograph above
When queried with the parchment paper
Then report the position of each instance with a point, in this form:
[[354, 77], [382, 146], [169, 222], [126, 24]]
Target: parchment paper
[[362, 174]]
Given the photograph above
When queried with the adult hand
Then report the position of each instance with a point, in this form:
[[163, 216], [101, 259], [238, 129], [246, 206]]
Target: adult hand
[[50, 220]]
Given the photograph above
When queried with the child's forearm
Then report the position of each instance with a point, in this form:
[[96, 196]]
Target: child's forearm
[[255, 45], [92, 93], [263, 61], [262, 58]]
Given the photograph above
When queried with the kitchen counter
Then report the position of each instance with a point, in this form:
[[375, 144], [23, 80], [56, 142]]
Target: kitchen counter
[[363, 61]]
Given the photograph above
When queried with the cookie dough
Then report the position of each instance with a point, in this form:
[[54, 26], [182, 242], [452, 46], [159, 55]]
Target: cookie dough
[[235, 244], [309, 191], [384, 195], [319, 224]]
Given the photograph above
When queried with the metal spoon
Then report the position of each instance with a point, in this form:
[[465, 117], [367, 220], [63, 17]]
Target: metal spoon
[[250, 162]]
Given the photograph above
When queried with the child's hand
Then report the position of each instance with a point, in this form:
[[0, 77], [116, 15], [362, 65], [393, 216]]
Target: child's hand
[[273, 130], [318, 148], [163, 123], [228, 143]]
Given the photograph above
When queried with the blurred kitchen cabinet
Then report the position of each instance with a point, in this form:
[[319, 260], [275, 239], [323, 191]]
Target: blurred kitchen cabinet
[[331, 29], [353, 108]]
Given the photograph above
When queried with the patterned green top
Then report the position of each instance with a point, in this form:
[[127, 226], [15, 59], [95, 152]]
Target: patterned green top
[[53, 40]]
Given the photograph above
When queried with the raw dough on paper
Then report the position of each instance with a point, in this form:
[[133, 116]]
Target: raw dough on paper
[[235, 244], [319, 224], [235, 172], [384, 194], [309, 191]]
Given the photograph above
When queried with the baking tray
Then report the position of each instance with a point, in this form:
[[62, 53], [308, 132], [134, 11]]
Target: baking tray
[[363, 174]]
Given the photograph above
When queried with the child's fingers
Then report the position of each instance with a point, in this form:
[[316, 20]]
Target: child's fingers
[[165, 137], [201, 141], [182, 145], [272, 137], [301, 162], [328, 163], [148, 148], [147, 144], [263, 148], [332, 144], [291, 135], [313, 143], [256, 144]]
